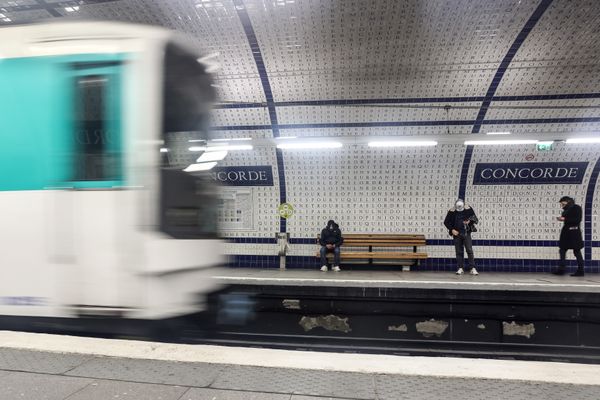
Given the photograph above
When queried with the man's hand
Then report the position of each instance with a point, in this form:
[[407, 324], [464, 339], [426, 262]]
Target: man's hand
[[330, 246], [560, 218], [466, 221], [454, 232]]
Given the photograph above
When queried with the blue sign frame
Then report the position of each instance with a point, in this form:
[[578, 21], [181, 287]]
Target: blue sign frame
[[538, 173], [261, 175]]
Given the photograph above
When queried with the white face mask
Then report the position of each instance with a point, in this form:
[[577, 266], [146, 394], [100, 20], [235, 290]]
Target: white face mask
[[460, 206]]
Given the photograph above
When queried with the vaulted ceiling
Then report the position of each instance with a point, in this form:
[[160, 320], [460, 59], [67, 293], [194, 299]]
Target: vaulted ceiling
[[381, 67]]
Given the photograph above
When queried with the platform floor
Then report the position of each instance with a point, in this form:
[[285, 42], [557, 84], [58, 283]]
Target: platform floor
[[421, 280], [89, 372]]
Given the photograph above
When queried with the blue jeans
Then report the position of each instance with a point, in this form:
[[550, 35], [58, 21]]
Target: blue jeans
[[336, 255]]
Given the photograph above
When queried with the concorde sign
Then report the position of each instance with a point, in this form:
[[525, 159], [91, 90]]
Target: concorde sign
[[529, 173], [244, 176]]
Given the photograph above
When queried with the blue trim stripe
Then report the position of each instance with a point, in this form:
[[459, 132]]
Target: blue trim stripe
[[264, 79], [414, 100], [373, 124], [512, 51], [242, 128], [527, 121], [589, 202], [239, 105], [350, 102], [250, 240], [541, 97], [464, 172], [433, 242], [282, 187], [430, 264]]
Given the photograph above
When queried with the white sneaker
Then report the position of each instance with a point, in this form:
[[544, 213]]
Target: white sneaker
[[324, 268], [336, 269], [474, 271], [460, 271]]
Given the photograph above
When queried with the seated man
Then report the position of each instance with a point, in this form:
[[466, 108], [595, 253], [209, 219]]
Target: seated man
[[330, 241]]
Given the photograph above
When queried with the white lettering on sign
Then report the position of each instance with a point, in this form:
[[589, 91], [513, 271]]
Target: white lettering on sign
[[244, 176], [529, 173]]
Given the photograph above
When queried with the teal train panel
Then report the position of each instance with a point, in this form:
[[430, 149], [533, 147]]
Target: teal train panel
[[37, 121]]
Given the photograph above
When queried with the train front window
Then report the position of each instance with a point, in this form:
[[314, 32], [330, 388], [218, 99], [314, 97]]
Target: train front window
[[96, 161], [91, 132], [188, 202]]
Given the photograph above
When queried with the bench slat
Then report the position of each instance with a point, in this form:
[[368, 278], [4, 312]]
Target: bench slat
[[380, 255], [382, 237], [363, 243]]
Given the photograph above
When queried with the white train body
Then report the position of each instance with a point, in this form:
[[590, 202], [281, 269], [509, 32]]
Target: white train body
[[91, 218]]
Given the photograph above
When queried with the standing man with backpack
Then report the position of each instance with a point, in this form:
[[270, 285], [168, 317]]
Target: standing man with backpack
[[460, 222]]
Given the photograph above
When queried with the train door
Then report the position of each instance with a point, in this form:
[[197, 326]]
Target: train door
[[97, 181]]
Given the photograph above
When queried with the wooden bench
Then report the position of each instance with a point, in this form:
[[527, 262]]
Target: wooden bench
[[371, 240]]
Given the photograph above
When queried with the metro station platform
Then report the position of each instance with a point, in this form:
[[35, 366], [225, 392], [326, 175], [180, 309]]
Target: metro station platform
[[530, 316], [52, 367], [412, 280]]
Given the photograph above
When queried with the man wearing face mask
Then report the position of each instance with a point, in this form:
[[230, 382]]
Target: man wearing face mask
[[331, 240], [460, 221], [570, 235]]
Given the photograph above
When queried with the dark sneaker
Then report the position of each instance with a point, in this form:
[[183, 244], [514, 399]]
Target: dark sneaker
[[559, 271], [579, 272]]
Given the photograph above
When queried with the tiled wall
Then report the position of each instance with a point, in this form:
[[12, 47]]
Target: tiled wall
[[409, 190]]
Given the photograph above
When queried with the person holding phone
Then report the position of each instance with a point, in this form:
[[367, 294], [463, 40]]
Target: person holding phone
[[570, 235]]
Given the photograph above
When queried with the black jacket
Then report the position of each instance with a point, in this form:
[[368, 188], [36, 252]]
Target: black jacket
[[570, 234], [331, 236], [450, 221]]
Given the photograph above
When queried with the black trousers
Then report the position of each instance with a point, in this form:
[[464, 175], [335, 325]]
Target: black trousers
[[462, 243], [563, 258]]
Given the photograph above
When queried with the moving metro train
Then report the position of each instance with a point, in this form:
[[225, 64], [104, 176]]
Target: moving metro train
[[98, 218]]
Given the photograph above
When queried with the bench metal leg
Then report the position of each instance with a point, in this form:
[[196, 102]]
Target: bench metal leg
[[281, 262]]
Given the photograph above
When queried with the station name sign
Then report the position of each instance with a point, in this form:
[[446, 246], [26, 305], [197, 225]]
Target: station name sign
[[244, 176], [529, 173]]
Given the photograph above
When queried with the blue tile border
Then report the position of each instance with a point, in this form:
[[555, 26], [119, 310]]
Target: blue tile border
[[527, 121], [431, 264], [504, 64], [387, 124], [430, 242], [413, 100], [546, 97], [499, 243], [407, 100], [251, 240], [241, 128], [464, 172], [588, 207], [266, 85]]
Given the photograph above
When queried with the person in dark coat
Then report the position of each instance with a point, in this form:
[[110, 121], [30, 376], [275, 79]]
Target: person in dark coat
[[460, 222], [330, 240], [570, 235]]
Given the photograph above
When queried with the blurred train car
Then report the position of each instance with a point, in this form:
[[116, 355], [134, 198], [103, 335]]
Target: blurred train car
[[97, 219]]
